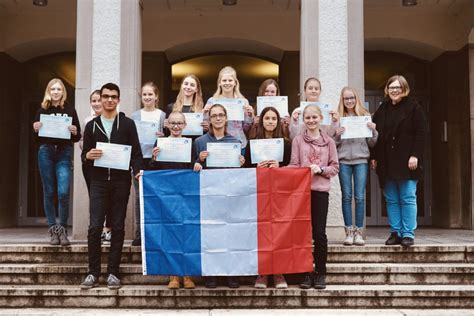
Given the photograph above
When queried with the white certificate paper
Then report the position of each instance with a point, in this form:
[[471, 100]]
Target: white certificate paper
[[55, 126], [193, 124], [147, 136], [356, 127], [174, 149], [224, 155], [266, 149], [278, 102], [114, 156], [325, 109], [234, 108]]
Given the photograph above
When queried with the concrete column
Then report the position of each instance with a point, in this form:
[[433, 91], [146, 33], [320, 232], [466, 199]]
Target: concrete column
[[108, 49], [471, 102], [336, 56]]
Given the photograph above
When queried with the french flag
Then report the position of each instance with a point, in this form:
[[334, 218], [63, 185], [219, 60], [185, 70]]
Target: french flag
[[226, 222]]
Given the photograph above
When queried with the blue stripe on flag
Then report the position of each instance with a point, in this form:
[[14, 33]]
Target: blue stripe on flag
[[172, 231]]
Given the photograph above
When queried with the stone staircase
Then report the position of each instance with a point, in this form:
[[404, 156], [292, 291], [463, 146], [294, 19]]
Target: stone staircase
[[374, 276]]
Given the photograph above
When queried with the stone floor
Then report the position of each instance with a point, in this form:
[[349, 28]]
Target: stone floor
[[375, 235], [219, 312]]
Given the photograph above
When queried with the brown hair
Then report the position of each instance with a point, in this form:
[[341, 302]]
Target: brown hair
[[265, 84], [403, 84], [47, 94], [277, 133], [198, 103], [155, 90], [217, 105]]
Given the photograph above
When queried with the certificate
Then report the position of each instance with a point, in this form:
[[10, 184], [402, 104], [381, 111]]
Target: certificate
[[266, 149], [325, 109], [278, 102], [234, 108], [114, 156], [223, 155], [55, 126], [356, 127], [147, 136], [193, 124], [174, 149]]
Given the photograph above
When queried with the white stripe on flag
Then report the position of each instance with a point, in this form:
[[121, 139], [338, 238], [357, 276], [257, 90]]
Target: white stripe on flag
[[229, 241]]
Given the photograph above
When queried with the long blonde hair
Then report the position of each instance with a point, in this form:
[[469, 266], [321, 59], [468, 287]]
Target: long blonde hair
[[198, 103], [47, 94], [228, 70], [358, 108]]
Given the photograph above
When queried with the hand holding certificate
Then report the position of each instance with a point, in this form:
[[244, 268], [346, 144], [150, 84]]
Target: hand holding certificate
[[325, 109], [223, 155], [356, 127], [55, 126], [266, 149], [234, 108], [174, 149], [278, 102], [114, 156], [193, 124]]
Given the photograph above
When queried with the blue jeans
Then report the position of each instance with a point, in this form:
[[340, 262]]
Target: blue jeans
[[400, 196], [357, 172], [54, 163]]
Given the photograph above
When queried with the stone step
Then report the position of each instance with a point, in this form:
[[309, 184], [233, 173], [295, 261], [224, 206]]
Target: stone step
[[158, 296], [338, 273], [77, 253]]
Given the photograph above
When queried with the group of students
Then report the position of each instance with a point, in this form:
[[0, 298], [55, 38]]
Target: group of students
[[395, 151]]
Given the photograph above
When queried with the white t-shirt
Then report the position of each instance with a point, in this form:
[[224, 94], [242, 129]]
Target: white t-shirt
[[150, 116]]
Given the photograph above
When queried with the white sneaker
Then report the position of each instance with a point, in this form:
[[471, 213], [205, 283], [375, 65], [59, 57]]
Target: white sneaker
[[261, 282], [358, 239], [108, 237], [349, 236]]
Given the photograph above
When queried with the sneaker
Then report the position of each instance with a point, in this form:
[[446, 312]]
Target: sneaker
[[394, 239], [89, 282], [307, 281], [54, 237], [320, 281], [211, 282], [113, 282], [188, 283], [279, 281], [102, 237], [136, 242], [349, 236], [407, 242], [261, 282], [107, 237], [358, 239], [233, 282], [174, 283], [62, 235]]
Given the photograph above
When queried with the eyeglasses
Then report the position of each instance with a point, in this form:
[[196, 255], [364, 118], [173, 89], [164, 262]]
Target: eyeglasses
[[394, 88], [220, 115], [176, 124], [349, 99], [106, 97]]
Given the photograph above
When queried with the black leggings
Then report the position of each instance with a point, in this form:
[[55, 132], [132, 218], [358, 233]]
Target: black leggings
[[319, 215]]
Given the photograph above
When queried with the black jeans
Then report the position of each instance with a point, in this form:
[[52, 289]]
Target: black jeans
[[319, 216], [107, 195], [87, 171]]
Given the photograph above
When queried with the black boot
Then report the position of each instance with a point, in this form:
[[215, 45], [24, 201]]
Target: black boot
[[393, 239], [320, 281], [307, 281]]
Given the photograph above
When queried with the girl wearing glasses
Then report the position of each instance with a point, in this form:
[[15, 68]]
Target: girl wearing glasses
[[312, 92], [353, 166], [270, 126], [217, 134], [228, 86], [315, 149], [176, 124], [270, 88], [54, 160], [397, 158], [148, 113]]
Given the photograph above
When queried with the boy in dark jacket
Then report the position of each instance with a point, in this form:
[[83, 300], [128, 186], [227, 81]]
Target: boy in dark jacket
[[110, 188]]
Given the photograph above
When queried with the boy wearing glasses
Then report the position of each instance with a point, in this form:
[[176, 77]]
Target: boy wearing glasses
[[110, 188]]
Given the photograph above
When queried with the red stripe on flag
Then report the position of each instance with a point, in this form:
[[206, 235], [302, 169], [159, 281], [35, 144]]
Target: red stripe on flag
[[284, 220]]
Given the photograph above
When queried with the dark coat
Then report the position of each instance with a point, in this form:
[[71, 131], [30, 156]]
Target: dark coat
[[124, 132], [407, 138]]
